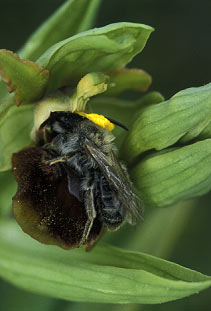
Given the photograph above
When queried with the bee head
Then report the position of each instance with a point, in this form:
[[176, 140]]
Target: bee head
[[62, 121]]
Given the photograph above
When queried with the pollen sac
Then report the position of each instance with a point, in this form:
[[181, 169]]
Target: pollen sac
[[43, 206]]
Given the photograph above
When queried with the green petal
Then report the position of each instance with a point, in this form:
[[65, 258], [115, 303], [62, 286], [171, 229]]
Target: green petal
[[107, 274], [179, 119], [27, 79], [169, 176], [101, 50], [124, 79]]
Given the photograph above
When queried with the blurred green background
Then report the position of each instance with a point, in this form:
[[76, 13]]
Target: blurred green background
[[177, 56]]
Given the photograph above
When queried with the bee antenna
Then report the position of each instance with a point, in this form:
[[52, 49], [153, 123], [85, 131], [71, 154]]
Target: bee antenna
[[118, 124]]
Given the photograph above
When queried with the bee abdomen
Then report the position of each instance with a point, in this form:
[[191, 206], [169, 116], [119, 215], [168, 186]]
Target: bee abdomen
[[111, 211], [111, 218]]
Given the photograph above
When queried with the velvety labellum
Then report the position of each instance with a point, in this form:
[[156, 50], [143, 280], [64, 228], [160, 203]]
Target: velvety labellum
[[43, 206]]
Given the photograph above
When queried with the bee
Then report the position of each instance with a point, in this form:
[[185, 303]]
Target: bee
[[71, 186]]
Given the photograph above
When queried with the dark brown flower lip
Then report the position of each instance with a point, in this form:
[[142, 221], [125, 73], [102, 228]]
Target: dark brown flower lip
[[43, 206]]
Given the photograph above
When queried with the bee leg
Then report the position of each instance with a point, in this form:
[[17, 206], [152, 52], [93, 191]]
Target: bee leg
[[93, 243], [57, 160], [91, 214]]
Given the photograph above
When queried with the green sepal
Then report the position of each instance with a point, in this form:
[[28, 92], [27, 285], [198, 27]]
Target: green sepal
[[72, 17], [27, 79], [100, 50]]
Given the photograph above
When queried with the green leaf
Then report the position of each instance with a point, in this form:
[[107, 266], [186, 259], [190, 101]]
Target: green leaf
[[27, 79], [124, 79], [107, 274], [22, 300], [179, 119], [72, 17], [169, 176], [15, 131], [101, 50]]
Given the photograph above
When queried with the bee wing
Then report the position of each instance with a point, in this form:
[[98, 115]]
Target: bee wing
[[117, 177]]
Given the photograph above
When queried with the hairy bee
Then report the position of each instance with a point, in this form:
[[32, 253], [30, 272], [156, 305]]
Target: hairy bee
[[72, 187]]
